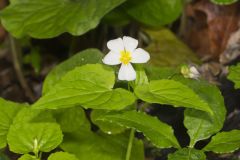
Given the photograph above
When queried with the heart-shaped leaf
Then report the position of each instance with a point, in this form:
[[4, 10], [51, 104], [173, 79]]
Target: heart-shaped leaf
[[32, 137], [89, 86], [89, 56], [8, 110]]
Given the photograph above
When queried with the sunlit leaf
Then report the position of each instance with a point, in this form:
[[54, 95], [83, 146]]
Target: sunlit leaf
[[141, 77], [29, 115], [105, 126], [71, 119], [32, 137], [173, 93], [8, 111], [89, 56], [224, 142], [159, 133], [89, 86], [200, 125], [28, 157], [94, 146], [187, 154]]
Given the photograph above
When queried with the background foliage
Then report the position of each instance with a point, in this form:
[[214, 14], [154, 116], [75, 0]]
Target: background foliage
[[83, 111]]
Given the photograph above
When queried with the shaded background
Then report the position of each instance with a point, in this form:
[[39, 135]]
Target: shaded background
[[205, 34]]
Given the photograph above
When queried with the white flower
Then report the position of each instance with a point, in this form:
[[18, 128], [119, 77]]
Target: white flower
[[124, 51], [190, 72], [194, 73]]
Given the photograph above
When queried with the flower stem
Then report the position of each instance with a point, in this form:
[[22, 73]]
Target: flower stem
[[131, 136], [130, 144]]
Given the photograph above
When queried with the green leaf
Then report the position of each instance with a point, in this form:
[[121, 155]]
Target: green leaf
[[94, 146], [157, 73], [154, 12], [224, 2], [141, 77], [28, 157], [224, 142], [234, 75], [187, 154], [8, 110], [89, 56], [105, 126], [34, 137], [163, 47], [34, 59], [202, 125], [173, 93], [62, 156], [46, 19], [27, 115], [117, 17], [89, 86], [71, 119], [159, 133]]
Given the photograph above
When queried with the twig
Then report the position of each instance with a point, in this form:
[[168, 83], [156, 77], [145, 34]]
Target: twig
[[16, 51]]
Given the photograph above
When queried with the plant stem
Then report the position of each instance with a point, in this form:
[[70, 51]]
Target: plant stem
[[130, 143], [16, 51], [131, 136]]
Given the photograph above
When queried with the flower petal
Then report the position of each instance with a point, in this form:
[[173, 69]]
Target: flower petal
[[112, 58], [130, 43], [194, 76], [116, 45], [127, 72], [194, 70], [140, 56]]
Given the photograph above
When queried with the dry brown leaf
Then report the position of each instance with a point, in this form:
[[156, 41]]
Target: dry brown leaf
[[210, 26]]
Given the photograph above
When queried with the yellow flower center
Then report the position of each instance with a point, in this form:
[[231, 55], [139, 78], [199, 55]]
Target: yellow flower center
[[125, 57]]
